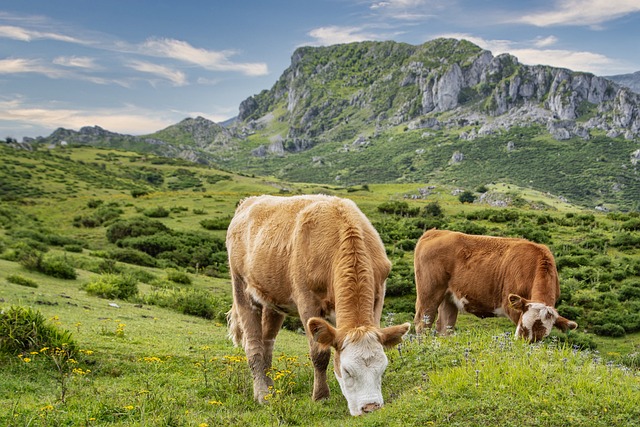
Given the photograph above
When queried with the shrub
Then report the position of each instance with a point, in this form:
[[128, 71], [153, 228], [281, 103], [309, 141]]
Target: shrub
[[157, 212], [132, 256], [57, 266], [178, 277], [216, 223], [24, 329], [609, 330], [466, 197], [112, 286], [190, 301], [22, 281], [51, 265], [432, 209], [397, 207], [73, 248], [134, 227]]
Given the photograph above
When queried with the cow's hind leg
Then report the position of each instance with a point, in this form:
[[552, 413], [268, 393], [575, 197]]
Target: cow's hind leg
[[447, 316], [249, 316], [271, 324], [428, 299]]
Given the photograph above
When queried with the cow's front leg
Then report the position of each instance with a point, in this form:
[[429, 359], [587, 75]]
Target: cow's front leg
[[250, 316], [320, 359], [447, 317], [271, 324]]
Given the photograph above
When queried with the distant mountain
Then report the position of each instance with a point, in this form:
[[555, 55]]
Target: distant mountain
[[443, 111], [631, 81]]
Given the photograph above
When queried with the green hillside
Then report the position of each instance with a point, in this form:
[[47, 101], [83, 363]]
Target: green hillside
[[125, 252]]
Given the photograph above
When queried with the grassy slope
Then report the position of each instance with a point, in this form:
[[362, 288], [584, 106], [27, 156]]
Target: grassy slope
[[170, 369]]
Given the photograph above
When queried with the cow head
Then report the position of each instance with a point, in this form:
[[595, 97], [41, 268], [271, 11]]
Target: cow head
[[537, 319], [359, 360]]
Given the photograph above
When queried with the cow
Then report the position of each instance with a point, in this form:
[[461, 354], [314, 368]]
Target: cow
[[319, 258], [486, 276]]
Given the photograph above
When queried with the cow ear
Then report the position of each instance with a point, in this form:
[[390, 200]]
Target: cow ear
[[517, 302], [565, 324], [392, 335], [322, 332]]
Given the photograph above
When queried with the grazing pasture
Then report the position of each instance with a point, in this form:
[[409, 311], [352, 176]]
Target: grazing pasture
[[84, 243]]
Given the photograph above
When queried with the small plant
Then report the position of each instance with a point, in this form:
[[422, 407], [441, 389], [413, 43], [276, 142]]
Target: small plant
[[22, 281], [111, 286], [23, 330]]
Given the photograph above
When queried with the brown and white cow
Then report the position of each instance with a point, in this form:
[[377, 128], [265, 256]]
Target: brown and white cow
[[317, 257], [486, 276]]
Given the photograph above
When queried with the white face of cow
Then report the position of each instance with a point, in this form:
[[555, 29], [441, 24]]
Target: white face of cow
[[359, 368], [537, 319]]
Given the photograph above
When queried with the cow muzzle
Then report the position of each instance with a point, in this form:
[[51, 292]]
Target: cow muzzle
[[370, 407]]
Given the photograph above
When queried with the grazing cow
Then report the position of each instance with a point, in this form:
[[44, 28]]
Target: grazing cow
[[319, 258], [486, 276]]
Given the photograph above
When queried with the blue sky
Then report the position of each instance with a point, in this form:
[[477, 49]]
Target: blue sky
[[138, 66]]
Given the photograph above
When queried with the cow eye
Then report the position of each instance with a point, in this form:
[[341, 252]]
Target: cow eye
[[347, 373]]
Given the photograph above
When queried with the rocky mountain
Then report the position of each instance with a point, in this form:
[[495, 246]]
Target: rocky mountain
[[445, 111], [631, 81]]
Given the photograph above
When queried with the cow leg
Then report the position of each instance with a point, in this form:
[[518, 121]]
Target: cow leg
[[427, 307], [320, 359], [271, 324], [447, 317], [250, 317]]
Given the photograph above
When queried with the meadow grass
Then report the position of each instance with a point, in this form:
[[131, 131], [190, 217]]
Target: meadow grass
[[148, 366]]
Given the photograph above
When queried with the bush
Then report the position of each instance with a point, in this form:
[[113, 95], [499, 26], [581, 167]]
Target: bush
[[73, 248], [190, 301], [132, 256], [466, 197], [178, 277], [112, 286], [23, 330], [134, 227], [609, 330], [22, 281], [216, 223], [157, 212], [51, 265]]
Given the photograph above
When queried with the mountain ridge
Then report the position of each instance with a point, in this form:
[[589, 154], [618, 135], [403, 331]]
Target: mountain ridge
[[424, 109]]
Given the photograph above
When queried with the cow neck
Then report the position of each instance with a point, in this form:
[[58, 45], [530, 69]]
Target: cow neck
[[353, 282]]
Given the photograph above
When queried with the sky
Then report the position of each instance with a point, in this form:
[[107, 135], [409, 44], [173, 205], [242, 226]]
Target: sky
[[139, 66]]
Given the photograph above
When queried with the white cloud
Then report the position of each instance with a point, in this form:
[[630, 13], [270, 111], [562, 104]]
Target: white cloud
[[178, 78], [22, 34], [207, 59], [127, 120], [545, 41], [581, 12], [533, 53], [21, 65], [325, 36], [83, 62]]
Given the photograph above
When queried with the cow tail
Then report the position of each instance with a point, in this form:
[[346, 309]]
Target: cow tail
[[235, 331]]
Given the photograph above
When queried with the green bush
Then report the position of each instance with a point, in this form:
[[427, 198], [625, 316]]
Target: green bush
[[189, 301], [134, 227], [51, 265], [157, 212], [609, 330], [112, 286], [132, 256], [23, 330], [73, 248], [177, 276], [22, 281], [216, 223]]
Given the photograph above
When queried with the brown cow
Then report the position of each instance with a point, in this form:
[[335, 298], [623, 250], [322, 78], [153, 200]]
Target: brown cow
[[316, 257], [486, 276]]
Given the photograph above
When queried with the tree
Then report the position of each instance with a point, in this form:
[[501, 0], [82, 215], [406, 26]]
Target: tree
[[466, 197]]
